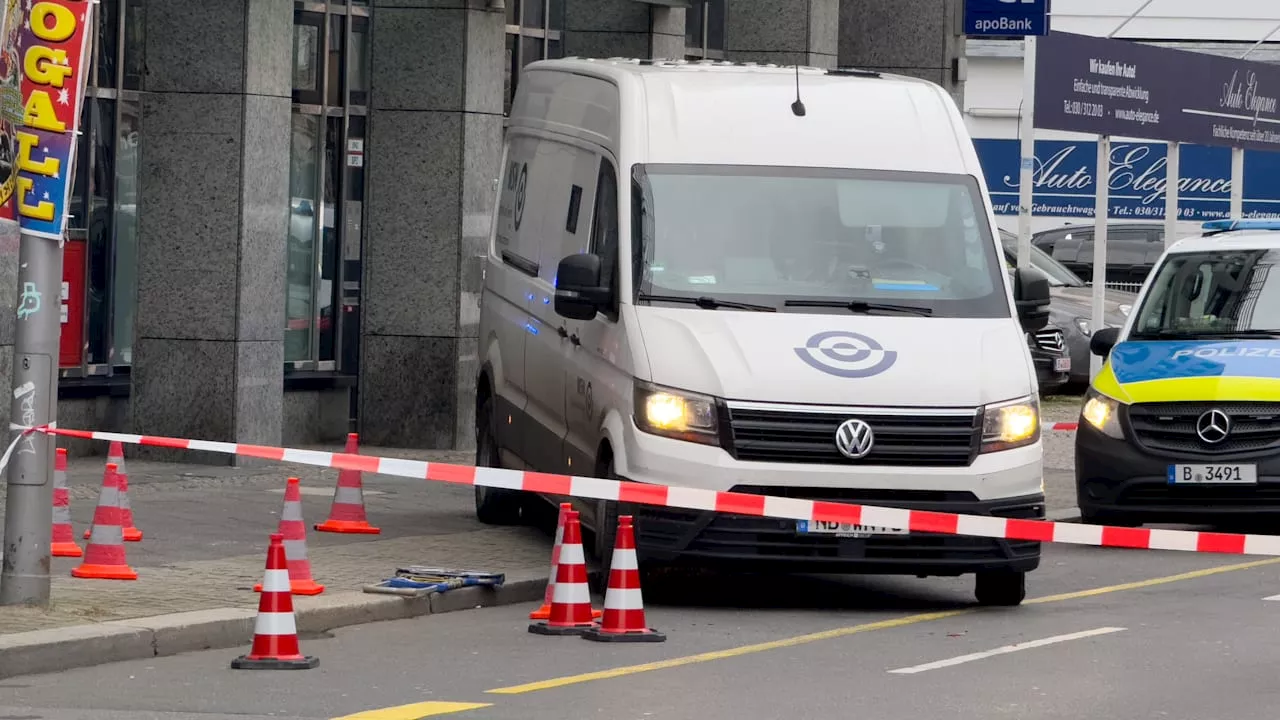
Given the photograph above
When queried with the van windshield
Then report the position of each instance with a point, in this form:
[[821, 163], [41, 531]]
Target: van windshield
[[788, 238], [1220, 294]]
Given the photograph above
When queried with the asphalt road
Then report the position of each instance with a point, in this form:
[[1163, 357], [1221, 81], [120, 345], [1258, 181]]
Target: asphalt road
[[1108, 633]]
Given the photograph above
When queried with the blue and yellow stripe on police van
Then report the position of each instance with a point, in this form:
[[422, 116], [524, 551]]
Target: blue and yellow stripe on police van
[[1192, 370]]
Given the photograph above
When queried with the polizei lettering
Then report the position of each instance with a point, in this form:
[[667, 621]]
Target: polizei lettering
[[1229, 352]]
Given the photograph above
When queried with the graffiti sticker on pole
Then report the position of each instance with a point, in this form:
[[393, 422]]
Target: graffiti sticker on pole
[[54, 56]]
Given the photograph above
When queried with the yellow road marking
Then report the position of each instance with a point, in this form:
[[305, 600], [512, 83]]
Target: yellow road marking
[[855, 629], [416, 711]]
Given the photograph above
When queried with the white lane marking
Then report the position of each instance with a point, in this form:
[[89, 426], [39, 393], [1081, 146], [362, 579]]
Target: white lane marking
[[1005, 650], [320, 492], [1273, 597]]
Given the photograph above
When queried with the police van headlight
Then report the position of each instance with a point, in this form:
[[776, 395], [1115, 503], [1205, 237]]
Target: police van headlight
[[676, 414], [1011, 424], [1101, 412]]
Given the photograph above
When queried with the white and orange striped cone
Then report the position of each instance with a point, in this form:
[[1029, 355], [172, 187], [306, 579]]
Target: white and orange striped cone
[[294, 532], [104, 558], [275, 633], [115, 454], [544, 612], [623, 605], [64, 536], [571, 612], [346, 514]]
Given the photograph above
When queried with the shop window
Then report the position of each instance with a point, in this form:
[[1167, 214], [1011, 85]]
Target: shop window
[[534, 32], [704, 30], [326, 186]]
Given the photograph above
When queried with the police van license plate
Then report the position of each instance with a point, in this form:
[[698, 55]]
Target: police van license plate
[[1213, 475], [821, 527], [1062, 364]]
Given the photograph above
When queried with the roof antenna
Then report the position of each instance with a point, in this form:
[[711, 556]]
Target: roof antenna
[[797, 107]]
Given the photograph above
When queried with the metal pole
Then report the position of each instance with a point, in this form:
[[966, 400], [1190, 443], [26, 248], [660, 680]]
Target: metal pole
[[1102, 208], [28, 518], [1237, 183], [1027, 133], [1172, 174], [1129, 19], [1261, 42]]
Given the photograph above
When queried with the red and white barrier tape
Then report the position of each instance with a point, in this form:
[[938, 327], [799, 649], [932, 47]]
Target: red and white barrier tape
[[726, 502], [1068, 426]]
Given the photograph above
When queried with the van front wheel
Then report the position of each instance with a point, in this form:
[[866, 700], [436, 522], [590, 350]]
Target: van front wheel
[[494, 506], [1001, 588]]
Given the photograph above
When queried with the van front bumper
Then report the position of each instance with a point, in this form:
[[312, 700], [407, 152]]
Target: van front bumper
[[1120, 482], [691, 537]]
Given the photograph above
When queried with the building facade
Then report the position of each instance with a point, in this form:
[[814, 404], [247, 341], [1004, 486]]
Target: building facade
[[282, 206]]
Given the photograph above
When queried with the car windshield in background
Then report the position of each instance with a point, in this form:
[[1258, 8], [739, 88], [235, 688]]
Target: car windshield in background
[[787, 237], [1219, 294], [1058, 273]]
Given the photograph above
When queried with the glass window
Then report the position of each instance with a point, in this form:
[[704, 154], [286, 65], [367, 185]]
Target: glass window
[[307, 66], [803, 237], [704, 29], [107, 42], [604, 230], [303, 202], [337, 76], [358, 61], [1218, 294], [126, 220], [134, 64], [102, 182]]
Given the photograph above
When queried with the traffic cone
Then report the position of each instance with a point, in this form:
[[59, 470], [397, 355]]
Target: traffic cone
[[275, 633], [104, 559], [64, 536], [544, 612], [294, 532], [346, 514], [571, 611], [115, 454], [623, 605]]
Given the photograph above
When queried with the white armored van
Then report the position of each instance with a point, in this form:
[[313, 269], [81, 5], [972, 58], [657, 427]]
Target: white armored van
[[696, 280]]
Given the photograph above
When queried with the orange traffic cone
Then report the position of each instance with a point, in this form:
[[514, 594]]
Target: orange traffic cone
[[275, 634], [623, 606], [115, 454], [346, 514], [104, 558], [64, 536], [294, 532], [544, 612], [571, 598]]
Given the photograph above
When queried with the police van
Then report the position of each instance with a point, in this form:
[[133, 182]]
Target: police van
[[1183, 422], [773, 280]]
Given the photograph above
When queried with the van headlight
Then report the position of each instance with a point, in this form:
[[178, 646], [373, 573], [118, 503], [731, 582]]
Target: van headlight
[[1085, 326], [677, 414], [1011, 424], [1101, 412]]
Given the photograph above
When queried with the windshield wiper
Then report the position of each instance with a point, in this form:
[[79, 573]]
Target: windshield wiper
[[858, 306], [706, 302]]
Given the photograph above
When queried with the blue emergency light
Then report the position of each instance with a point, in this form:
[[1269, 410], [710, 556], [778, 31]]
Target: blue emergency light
[[1220, 226]]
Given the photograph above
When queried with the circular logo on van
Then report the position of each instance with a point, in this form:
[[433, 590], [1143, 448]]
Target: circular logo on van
[[846, 354]]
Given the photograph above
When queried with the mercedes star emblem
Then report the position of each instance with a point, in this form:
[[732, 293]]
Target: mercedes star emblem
[[854, 439], [1214, 426]]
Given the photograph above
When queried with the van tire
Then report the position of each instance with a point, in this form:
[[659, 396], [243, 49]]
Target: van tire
[[494, 506], [1001, 588]]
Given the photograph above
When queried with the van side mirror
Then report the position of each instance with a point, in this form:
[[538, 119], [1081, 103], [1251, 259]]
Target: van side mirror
[[1103, 341], [1031, 297], [579, 293]]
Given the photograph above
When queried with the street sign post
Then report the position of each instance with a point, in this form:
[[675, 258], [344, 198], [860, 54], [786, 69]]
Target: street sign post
[[1006, 18]]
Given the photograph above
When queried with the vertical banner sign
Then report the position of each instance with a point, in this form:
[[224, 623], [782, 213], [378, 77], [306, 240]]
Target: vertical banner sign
[[10, 105], [54, 50]]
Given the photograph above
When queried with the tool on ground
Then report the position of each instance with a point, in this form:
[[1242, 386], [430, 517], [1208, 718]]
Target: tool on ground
[[64, 535], [571, 611], [294, 531], [104, 558], [275, 633], [544, 612], [130, 532], [347, 514], [419, 581], [624, 619]]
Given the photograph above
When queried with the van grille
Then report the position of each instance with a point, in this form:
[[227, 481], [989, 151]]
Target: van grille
[[797, 435], [1171, 427]]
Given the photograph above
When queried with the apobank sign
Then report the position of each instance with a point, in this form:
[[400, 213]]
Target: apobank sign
[[1065, 179]]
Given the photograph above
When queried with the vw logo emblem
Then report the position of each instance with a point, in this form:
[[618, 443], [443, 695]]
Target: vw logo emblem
[[846, 354], [854, 439], [1214, 426]]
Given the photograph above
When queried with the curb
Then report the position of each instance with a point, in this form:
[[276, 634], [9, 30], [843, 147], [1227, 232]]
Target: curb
[[65, 648]]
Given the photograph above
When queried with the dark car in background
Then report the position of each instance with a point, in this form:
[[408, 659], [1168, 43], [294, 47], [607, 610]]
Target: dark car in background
[[1132, 250], [1070, 307]]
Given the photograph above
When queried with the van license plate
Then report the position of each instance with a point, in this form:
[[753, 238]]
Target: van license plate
[[1213, 475], [1062, 364], [820, 527]]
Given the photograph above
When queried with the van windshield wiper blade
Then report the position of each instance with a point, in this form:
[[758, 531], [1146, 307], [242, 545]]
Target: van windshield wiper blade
[[859, 306], [706, 302]]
